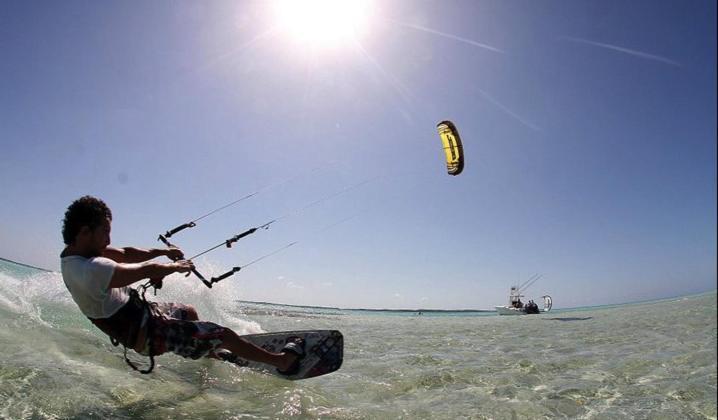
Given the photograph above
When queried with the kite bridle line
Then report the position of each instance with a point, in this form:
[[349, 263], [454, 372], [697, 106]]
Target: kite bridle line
[[193, 223], [228, 242]]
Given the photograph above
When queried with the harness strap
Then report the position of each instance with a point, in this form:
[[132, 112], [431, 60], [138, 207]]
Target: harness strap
[[132, 365], [146, 319]]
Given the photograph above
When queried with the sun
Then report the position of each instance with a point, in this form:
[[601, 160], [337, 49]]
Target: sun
[[322, 23]]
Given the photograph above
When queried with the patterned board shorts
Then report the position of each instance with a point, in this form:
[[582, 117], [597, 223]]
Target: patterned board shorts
[[172, 331]]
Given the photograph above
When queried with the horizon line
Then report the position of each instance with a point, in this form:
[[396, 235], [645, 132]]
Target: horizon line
[[574, 308]]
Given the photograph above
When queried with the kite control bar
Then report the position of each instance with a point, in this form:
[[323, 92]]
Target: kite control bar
[[199, 275]]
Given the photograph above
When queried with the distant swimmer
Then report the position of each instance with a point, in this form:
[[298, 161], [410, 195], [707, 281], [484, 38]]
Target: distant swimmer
[[98, 277]]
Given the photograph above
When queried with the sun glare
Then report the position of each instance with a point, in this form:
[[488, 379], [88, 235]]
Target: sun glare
[[322, 23]]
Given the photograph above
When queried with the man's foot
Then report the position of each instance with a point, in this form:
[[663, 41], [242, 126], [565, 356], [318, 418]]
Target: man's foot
[[223, 354], [293, 352]]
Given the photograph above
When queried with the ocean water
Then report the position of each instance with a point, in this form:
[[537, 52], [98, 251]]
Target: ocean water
[[652, 360]]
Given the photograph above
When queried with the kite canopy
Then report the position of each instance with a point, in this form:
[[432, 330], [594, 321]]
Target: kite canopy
[[453, 149]]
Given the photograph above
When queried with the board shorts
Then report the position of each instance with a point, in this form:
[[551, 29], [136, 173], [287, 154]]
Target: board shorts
[[171, 331], [164, 328]]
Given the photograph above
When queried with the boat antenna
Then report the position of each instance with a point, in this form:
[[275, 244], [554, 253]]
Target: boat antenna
[[524, 283], [531, 283]]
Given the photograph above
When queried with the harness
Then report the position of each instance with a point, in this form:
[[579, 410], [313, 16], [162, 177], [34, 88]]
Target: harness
[[138, 314]]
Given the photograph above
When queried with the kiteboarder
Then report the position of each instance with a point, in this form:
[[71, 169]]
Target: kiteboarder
[[98, 277]]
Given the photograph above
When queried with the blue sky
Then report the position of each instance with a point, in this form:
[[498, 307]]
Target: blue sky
[[589, 129]]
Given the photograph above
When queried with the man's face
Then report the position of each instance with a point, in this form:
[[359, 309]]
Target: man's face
[[101, 235], [95, 241]]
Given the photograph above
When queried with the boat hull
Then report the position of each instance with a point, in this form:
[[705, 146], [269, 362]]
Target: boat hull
[[508, 310]]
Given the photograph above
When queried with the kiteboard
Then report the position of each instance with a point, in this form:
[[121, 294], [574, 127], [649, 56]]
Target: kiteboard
[[323, 352]]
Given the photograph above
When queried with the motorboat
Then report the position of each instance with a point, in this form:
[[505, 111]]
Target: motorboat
[[517, 307]]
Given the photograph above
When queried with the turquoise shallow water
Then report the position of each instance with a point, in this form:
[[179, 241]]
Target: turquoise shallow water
[[649, 360]]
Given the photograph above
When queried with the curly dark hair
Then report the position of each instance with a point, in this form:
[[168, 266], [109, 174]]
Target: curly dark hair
[[85, 211]]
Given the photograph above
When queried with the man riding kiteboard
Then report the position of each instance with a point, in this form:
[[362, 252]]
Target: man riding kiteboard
[[98, 277]]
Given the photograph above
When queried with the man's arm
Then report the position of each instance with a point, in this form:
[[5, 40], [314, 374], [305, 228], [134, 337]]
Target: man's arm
[[127, 274], [130, 254]]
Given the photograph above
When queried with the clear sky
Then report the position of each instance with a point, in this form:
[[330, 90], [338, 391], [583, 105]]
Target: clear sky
[[589, 129]]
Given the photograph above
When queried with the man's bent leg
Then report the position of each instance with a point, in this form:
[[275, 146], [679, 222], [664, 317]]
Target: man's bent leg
[[195, 339], [177, 310], [246, 350]]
